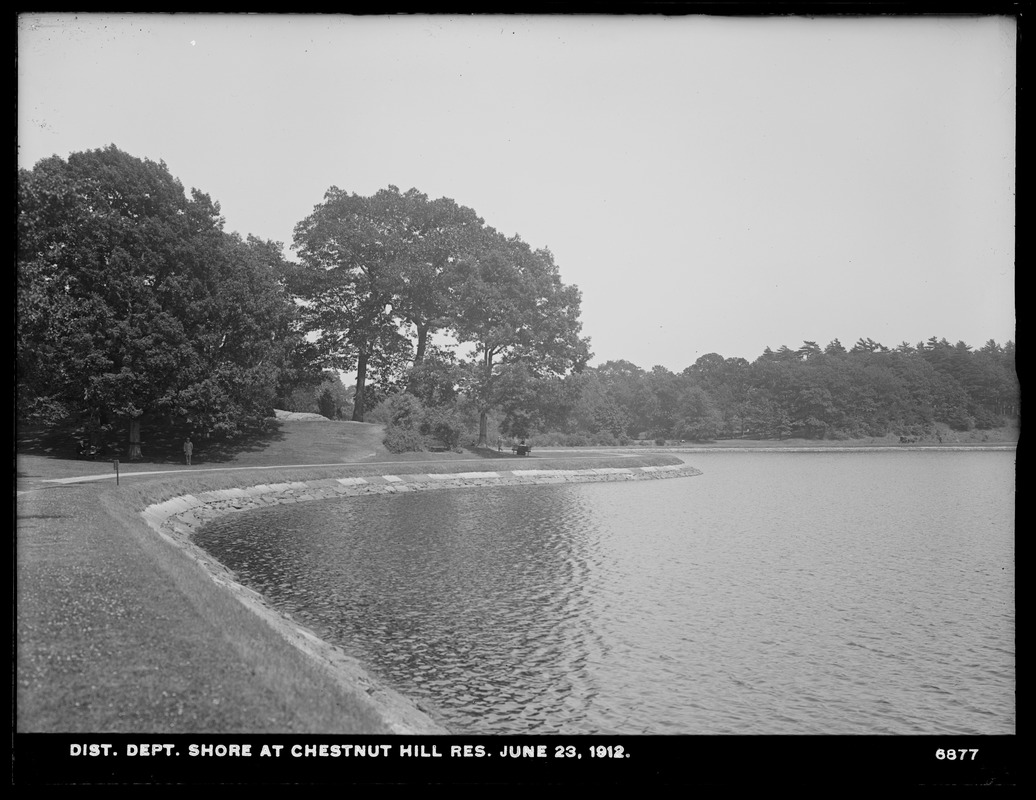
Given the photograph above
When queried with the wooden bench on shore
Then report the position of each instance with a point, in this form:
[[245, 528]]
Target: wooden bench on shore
[[521, 449]]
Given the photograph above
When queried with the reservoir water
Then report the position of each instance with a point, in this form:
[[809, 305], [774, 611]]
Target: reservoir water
[[777, 593]]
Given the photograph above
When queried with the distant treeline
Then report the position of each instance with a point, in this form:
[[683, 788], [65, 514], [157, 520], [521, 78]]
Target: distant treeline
[[809, 392]]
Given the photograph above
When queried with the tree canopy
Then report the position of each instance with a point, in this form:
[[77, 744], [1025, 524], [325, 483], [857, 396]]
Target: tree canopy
[[132, 299], [376, 271], [522, 323]]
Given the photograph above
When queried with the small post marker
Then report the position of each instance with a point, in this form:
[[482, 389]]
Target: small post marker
[[116, 464]]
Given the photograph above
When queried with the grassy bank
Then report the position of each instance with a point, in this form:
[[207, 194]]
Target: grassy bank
[[120, 631]]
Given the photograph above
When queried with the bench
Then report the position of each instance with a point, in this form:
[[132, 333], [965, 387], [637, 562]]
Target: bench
[[87, 450], [521, 449]]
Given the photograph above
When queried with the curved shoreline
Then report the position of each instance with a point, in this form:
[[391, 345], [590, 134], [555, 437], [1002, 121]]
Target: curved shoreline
[[176, 520]]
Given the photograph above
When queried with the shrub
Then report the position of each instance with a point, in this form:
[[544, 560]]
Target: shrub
[[405, 411], [960, 421], [403, 416], [403, 440], [380, 413], [986, 419], [444, 424]]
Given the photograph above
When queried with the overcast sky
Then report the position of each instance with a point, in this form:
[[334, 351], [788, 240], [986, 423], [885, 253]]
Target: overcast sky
[[712, 184]]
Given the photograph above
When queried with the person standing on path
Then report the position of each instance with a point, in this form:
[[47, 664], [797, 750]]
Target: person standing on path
[[188, 450]]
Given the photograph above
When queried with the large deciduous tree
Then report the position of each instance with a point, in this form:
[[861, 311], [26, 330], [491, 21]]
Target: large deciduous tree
[[428, 238], [245, 332], [520, 319], [375, 268], [132, 299], [347, 247]]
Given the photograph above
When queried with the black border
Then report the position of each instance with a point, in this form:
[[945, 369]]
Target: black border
[[726, 761]]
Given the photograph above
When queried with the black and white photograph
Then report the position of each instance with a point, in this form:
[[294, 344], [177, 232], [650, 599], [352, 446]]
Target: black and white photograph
[[516, 398]]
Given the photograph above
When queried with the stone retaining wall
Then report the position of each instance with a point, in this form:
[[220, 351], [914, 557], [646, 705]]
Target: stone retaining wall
[[181, 516]]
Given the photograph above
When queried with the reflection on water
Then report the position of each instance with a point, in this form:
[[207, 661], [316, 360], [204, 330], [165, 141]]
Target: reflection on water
[[776, 593]]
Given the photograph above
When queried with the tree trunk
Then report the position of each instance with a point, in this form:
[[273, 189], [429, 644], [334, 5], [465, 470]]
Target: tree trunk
[[134, 438], [361, 384], [422, 344], [483, 414], [483, 429]]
